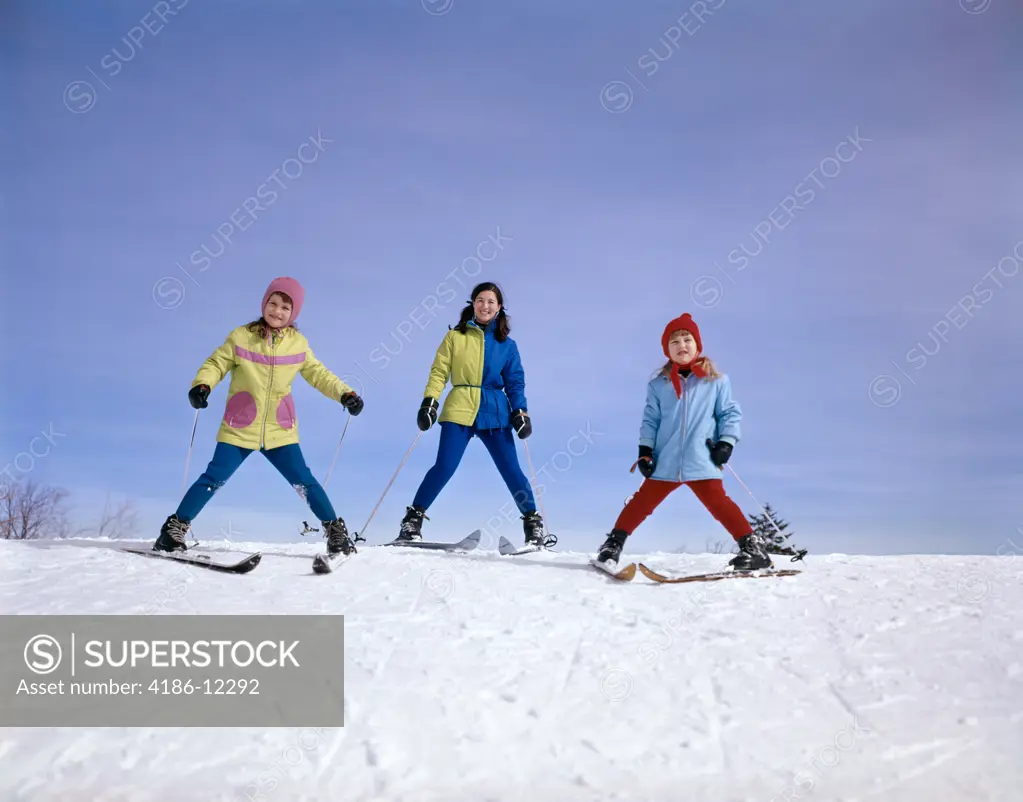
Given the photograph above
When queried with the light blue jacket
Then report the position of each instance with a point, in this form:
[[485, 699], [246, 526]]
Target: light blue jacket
[[678, 428]]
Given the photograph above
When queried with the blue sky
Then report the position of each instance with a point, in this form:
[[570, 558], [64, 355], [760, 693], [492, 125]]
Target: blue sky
[[632, 163]]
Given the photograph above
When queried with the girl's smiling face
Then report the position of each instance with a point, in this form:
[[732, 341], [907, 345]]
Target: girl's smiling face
[[277, 311]]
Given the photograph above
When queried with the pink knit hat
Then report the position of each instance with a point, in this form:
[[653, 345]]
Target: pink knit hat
[[291, 288]]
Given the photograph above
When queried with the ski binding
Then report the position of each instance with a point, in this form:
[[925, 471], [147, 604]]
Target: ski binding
[[509, 549]]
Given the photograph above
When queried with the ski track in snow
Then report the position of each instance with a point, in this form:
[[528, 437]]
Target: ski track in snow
[[478, 677]]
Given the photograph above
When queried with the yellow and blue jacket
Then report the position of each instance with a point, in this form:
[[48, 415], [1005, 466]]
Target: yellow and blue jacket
[[487, 380]]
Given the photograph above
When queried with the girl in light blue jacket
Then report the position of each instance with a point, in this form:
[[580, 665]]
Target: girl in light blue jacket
[[690, 425]]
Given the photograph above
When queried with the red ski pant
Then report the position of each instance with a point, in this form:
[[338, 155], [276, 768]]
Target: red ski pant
[[709, 491]]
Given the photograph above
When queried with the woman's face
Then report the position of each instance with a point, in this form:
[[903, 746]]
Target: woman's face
[[486, 306]]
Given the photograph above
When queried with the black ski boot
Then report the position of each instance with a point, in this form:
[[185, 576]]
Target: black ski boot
[[172, 535], [412, 524], [532, 526], [752, 555], [338, 541], [612, 548]]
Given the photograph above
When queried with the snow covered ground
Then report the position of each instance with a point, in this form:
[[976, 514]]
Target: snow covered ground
[[476, 677]]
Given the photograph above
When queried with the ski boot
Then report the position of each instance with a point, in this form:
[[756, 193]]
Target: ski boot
[[338, 541], [172, 535], [612, 548], [412, 524], [752, 555], [532, 526]]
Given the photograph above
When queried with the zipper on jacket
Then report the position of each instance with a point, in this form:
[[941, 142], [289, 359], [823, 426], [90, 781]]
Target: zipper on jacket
[[483, 353], [269, 391], [685, 415]]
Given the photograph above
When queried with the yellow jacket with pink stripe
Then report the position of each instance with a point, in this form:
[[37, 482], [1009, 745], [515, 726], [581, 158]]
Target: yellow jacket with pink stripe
[[260, 411]]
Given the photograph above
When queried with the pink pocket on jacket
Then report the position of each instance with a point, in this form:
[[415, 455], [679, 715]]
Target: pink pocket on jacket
[[240, 411], [286, 412]]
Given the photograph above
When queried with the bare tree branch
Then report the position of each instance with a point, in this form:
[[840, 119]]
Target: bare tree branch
[[119, 521], [717, 547], [31, 511]]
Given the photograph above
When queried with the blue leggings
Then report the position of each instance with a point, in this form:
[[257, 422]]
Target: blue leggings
[[288, 460], [454, 438]]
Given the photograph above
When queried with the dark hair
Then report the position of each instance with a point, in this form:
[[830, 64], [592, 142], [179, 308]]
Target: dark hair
[[503, 326], [262, 328]]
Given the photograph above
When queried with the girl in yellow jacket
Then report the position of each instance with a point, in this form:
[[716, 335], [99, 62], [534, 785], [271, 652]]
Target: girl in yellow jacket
[[263, 358]]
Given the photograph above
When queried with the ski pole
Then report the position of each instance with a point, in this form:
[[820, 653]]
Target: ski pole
[[188, 459], [532, 474], [549, 540], [337, 450], [358, 536], [800, 553], [306, 529]]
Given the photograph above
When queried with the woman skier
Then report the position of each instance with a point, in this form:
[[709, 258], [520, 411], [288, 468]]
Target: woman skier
[[487, 400], [690, 425], [263, 358]]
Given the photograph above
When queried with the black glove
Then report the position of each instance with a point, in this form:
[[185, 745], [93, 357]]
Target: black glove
[[197, 396], [427, 415], [719, 451], [352, 402], [647, 463], [520, 422]]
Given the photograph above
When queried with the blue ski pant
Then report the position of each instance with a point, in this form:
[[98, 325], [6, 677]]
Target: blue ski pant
[[227, 458], [454, 438]]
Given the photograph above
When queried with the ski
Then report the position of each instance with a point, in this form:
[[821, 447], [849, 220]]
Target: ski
[[243, 566], [325, 563], [624, 574], [509, 549], [649, 573], [466, 544]]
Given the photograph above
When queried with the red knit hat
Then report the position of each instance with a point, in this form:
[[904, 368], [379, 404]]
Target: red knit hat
[[290, 287], [684, 322]]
